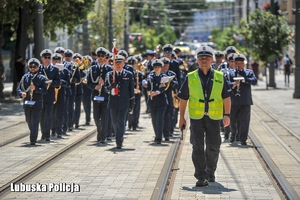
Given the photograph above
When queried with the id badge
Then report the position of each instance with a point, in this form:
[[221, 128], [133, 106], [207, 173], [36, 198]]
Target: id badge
[[29, 103], [115, 91], [98, 98]]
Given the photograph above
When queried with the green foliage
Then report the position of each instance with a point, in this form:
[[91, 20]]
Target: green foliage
[[269, 35], [265, 36], [66, 14], [151, 38]]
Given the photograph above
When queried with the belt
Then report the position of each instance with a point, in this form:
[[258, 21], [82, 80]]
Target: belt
[[206, 113]]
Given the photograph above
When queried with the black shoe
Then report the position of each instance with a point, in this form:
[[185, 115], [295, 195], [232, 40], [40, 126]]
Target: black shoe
[[70, 129], [211, 179], [237, 139], [76, 126], [108, 138], [129, 128], [158, 141], [243, 143], [231, 139], [87, 123], [167, 139], [134, 128], [201, 182], [119, 146], [58, 136], [32, 143], [43, 137], [47, 139]]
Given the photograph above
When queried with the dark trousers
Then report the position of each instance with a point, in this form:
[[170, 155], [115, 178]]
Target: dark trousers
[[287, 78], [86, 101], [77, 109], [101, 116], [46, 119], [118, 121], [205, 132], [66, 114], [71, 110], [110, 129], [174, 118], [167, 130], [157, 115], [58, 112], [32, 117], [133, 119], [240, 120]]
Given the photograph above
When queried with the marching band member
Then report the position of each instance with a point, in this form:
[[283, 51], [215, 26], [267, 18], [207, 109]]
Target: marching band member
[[133, 118], [70, 99], [53, 80], [126, 66], [174, 65], [173, 85], [157, 100], [95, 81], [241, 80], [78, 91], [31, 88], [60, 96], [121, 98], [87, 93], [219, 59]]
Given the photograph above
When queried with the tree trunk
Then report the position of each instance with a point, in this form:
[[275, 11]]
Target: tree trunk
[[22, 39]]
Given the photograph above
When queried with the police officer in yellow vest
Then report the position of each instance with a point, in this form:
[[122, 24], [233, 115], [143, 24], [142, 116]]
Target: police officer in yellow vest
[[207, 94]]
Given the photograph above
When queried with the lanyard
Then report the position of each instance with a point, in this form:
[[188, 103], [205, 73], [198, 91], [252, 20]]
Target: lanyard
[[205, 86]]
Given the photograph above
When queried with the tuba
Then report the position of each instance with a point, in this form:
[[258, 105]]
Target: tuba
[[85, 65]]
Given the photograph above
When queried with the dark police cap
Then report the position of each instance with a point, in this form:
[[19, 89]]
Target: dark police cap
[[123, 53], [177, 50], [157, 63], [219, 54], [149, 52], [46, 52], [230, 49], [33, 61], [230, 56], [101, 51], [131, 59], [239, 57], [138, 57], [59, 50], [205, 51], [168, 47], [165, 60], [69, 52], [93, 53], [56, 56], [119, 58], [77, 55]]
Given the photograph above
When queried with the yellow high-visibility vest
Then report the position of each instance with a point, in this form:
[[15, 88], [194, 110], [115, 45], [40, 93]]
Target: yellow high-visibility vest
[[197, 101]]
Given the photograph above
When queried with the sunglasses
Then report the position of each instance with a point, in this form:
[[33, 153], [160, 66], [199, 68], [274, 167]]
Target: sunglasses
[[168, 52], [33, 66], [101, 56], [47, 57]]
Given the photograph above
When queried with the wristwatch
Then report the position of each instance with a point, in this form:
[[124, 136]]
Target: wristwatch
[[228, 115]]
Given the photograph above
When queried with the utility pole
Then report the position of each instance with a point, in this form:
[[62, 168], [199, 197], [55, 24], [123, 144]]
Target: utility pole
[[110, 29], [126, 27], [38, 29], [85, 38], [297, 50]]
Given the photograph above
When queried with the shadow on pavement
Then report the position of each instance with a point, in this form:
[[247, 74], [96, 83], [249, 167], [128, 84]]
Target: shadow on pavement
[[213, 188]]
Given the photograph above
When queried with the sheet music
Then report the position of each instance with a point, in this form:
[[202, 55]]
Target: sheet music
[[166, 79]]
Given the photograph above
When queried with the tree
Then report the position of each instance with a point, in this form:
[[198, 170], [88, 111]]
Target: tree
[[269, 34], [99, 23]]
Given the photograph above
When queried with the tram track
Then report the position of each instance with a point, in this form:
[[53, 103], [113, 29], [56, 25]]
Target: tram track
[[45, 163], [279, 131]]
